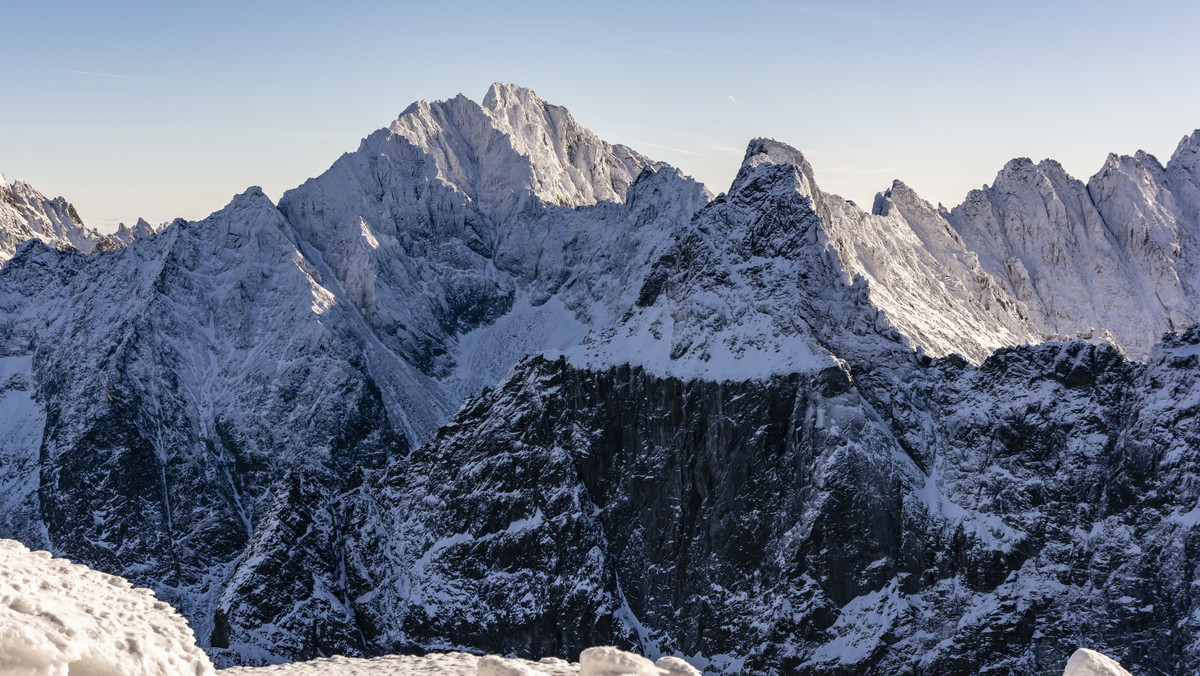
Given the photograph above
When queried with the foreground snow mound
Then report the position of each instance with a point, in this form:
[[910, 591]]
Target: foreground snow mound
[[676, 666], [433, 664], [609, 661], [58, 618], [1091, 663], [491, 665], [602, 661]]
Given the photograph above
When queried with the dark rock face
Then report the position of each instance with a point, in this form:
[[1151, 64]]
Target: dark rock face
[[936, 519], [709, 507], [300, 612]]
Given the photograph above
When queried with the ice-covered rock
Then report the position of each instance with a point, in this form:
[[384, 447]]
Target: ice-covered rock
[[58, 618]]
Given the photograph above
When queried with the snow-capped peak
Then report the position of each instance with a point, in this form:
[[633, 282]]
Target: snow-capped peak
[[770, 152], [572, 166], [1103, 261], [503, 97], [126, 234], [514, 145], [1187, 154], [27, 214], [898, 193]]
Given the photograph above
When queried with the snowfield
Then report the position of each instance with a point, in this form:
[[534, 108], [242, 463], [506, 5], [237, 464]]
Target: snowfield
[[59, 618]]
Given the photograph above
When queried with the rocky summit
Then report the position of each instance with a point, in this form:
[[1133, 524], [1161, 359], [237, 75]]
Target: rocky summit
[[491, 383]]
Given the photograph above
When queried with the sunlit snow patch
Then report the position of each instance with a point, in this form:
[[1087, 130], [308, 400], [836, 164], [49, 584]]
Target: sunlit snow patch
[[608, 661], [58, 618], [1091, 663], [600, 661]]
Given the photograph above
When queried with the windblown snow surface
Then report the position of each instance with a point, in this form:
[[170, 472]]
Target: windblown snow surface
[[598, 661], [58, 618]]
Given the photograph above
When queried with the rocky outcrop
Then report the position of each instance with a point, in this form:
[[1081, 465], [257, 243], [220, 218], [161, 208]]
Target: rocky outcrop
[[1112, 260], [27, 214], [938, 518]]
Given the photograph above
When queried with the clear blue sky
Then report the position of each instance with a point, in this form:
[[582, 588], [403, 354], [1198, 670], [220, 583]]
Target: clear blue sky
[[164, 109]]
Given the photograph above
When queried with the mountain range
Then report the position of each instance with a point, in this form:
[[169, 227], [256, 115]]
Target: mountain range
[[492, 383]]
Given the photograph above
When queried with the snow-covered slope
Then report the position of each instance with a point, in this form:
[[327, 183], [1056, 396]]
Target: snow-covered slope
[[59, 618], [777, 277], [172, 384], [469, 235], [1113, 260]]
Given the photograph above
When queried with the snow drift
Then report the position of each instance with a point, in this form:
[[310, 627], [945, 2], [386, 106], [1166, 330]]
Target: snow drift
[[1091, 663], [58, 618]]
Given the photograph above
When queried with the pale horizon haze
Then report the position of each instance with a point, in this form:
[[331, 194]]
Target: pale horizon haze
[[163, 110]]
